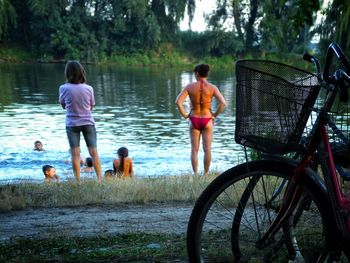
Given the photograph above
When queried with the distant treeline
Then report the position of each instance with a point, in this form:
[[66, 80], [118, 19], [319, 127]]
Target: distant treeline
[[100, 30]]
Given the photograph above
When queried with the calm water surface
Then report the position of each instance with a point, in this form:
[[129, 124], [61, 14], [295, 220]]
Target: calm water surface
[[134, 108]]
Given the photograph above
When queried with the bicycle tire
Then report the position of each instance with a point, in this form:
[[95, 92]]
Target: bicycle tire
[[217, 231]]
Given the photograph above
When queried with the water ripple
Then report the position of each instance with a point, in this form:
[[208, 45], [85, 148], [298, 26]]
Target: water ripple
[[134, 108]]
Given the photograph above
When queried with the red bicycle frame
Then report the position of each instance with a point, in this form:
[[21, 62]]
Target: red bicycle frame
[[340, 202]]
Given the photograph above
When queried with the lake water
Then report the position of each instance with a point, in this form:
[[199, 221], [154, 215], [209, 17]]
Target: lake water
[[134, 108]]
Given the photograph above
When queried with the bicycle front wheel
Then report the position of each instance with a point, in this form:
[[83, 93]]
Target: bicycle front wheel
[[236, 209]]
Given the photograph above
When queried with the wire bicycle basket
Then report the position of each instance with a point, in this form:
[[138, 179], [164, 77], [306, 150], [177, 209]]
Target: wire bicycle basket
[[273, 105], [338, 130]]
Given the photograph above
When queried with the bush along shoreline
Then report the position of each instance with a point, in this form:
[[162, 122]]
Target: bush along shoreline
[[167, 57]]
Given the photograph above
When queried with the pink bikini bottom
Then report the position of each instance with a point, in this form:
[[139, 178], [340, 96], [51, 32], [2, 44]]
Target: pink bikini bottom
[[200, 123]]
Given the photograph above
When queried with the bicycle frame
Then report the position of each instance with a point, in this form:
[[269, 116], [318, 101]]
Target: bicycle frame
[[277, 208], [320, 143]]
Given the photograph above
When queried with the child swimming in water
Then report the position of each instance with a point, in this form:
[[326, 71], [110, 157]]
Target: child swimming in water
[[38, 146], [50, 173], [109, 174], [89, 168]]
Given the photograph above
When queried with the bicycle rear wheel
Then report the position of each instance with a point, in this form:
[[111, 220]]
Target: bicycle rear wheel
[[238, 206]]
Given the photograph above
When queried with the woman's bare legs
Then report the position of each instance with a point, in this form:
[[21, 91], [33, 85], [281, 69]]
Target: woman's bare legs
[[75, 153], [195, 139], [207, 136], [96, 162]]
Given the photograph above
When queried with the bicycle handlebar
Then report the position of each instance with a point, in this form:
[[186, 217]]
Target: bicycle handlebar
[[334, 49], [314, 60], [340, 76]]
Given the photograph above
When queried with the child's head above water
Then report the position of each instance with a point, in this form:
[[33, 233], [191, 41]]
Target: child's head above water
[[49, 171], [88, 162], [109, 174], [38, 146]]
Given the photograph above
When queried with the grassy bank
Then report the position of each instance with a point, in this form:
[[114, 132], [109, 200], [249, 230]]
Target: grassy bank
[[70, 193], [131, 247], [117, 248]]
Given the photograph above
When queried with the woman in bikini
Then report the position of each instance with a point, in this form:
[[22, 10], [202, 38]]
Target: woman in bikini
[[201, 116]]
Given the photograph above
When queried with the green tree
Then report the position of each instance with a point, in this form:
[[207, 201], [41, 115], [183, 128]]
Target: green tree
[[90, 29], [45, 18], [216, 43], [277, 25], [244, 15], [285, 24], [132, 27], [169, 13], [335, 26], [8, 17]]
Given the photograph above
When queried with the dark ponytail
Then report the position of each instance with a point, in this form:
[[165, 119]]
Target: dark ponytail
[[123, 153]]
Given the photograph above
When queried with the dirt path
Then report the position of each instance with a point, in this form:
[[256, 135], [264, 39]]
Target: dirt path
[[95, 220]]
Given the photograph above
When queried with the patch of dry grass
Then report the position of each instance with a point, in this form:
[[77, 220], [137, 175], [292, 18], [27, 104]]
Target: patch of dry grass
[[184, 188]]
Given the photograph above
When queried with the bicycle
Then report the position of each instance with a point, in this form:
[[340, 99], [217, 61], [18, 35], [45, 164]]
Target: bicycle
[[279, 209]]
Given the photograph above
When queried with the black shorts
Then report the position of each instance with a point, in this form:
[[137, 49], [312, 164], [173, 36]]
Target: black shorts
[[89, 133]]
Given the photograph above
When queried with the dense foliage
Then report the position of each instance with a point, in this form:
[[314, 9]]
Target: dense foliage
[[97, 30], [88, 29], [271, 25], [335, 25]]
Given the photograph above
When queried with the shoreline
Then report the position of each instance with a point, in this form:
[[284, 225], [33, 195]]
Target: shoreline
[[114, 192], [179, 60]]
